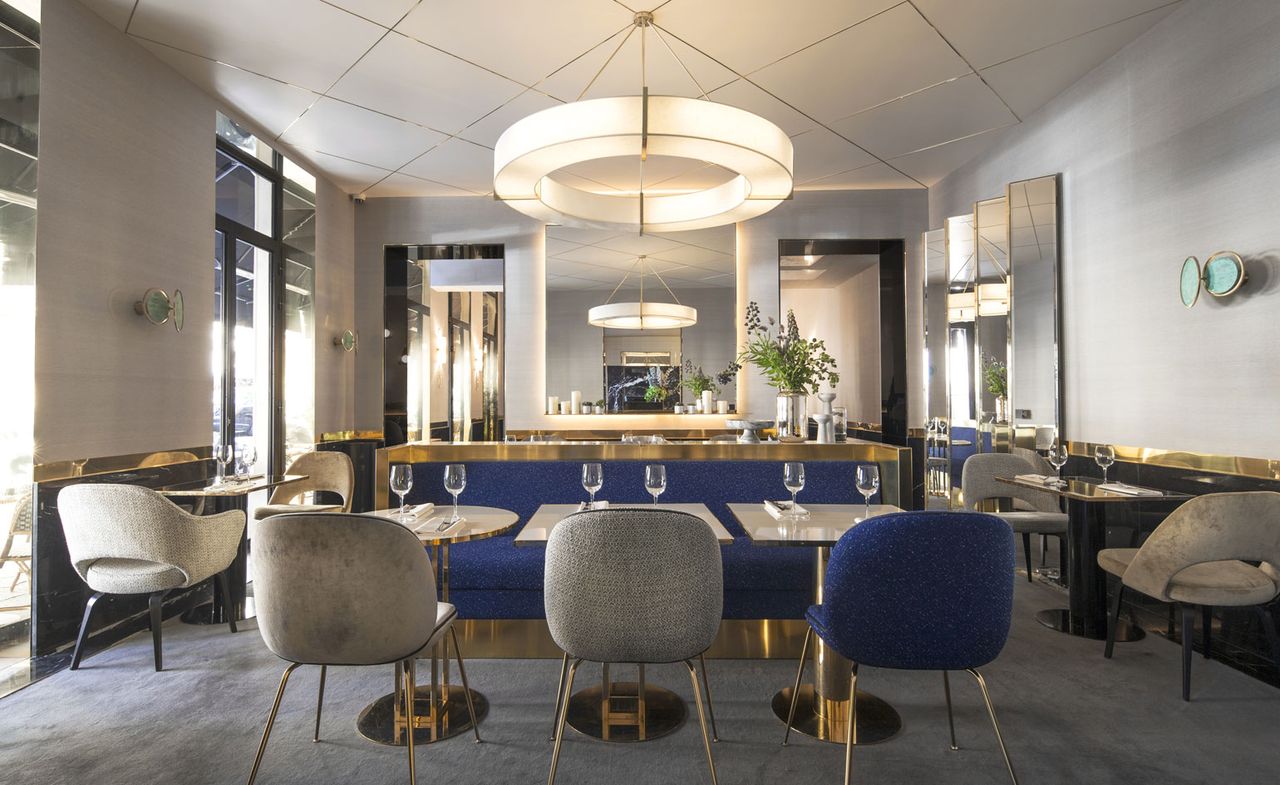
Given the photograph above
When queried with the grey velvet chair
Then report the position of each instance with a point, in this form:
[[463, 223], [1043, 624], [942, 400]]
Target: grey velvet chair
[[978, 484], [327, 471], [1203, 555], [632, 585], [341, 589], [126, 539]]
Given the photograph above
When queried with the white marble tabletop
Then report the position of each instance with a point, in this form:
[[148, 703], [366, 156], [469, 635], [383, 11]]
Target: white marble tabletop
[[539, 527], [825, 524]]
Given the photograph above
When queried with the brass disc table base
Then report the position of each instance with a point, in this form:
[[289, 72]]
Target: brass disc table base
[[664, 712], [377, 721], [1062, 620], [877, 720]]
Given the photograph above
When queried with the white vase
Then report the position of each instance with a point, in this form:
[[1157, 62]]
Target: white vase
[[708, 401], [679, 409], [827, 399], [826, 429], [722, 407]]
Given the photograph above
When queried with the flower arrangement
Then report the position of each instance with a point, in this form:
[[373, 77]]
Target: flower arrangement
[[661, 384], [698, 381], [995, 375], [791, 363]]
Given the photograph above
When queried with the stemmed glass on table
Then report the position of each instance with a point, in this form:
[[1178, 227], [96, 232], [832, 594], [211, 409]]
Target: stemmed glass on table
[[655, 480], [592, 481], [455, 482], [1104, 455], [223, 454], [793, 479], [401, 484], [1057, 458], [868, 483]]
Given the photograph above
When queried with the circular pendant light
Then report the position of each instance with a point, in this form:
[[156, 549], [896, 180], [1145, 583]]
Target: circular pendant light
[[532, 150], [642, 314]]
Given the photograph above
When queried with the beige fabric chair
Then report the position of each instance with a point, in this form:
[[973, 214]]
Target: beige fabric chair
[[12, 550], [339, 589], [978, 483], [326, 471], [126, 539], [1200, 556]]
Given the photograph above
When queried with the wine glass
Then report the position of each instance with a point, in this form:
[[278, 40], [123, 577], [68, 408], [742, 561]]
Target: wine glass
[[223, 454], [401, 484], [455, 481], [1104, 455], [1057, 458], [655, 480], [793, 479], [868, 483], [592, 480]]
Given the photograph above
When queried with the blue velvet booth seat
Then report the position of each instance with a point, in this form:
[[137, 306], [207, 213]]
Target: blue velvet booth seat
[[495, 579]]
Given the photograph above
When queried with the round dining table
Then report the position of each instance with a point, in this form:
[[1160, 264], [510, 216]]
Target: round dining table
[[440, 708]]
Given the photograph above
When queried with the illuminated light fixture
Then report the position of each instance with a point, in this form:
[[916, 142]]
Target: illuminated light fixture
[[991, 299], [532, 150], [642, 315]]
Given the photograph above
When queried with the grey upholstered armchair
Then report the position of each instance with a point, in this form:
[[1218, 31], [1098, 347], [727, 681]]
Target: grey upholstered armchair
[[126, 539], [1203, 554], [632, 585], [326, 471], [978, 483], [340, 589]]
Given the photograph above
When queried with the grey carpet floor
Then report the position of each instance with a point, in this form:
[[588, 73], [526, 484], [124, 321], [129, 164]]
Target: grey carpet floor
[[1069, 717]]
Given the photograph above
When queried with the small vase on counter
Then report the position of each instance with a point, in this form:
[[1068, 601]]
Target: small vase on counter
[[722, 407], [792, 420], [708, 402]]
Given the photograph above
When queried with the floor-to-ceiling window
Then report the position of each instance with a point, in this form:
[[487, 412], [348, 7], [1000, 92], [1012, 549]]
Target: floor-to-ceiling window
[[263, 342], [19, 111]]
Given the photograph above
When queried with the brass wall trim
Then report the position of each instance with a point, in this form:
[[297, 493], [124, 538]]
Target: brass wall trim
[[1257, 468], [754, 639], [88, 467], [346, 436], [894, 462], [613, 434]]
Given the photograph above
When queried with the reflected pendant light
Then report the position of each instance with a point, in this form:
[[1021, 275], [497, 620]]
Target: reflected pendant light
[[532, 150], [642, 315]]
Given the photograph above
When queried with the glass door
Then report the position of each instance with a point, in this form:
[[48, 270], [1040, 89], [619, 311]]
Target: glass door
[[242, 349]]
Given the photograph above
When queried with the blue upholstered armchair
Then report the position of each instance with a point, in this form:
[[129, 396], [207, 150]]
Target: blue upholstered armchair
[[918, 591]]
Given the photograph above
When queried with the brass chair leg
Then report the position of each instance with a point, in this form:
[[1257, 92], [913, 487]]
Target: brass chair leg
[[702, 720], [466, 688], [319, 703], [851, 728], [991, 711], [271, 719], [951, 720], [795, 690], [564, 668], [706, 685], [564, 710], [409, 696]]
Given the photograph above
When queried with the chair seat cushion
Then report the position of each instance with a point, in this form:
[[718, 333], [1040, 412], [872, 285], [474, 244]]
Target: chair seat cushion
[[267, 510], [1222, 583], [445, 614], [1116, 560], [132, 576], [1035, 522]]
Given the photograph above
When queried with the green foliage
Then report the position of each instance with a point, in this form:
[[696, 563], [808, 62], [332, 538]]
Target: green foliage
[[791, 363], [698, 381], [995, 375]]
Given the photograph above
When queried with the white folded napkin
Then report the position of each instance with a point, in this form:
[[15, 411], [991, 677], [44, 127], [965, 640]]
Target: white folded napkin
[[419, 510], [1129, 490], [780, 510], [1038, 479]]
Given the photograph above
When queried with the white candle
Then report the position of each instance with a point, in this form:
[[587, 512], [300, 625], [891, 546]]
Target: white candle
[[575, 402], [553, 404]]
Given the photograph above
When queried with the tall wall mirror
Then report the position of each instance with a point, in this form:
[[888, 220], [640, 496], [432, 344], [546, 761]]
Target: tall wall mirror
[[639, 324], [443, 336], [991, 305]]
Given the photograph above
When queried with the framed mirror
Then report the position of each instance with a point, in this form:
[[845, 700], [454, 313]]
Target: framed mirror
[[640, 324]]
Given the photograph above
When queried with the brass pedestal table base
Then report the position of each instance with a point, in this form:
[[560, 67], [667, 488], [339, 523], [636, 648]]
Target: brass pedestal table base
[[378, 722], [631, 711], [828, 720]]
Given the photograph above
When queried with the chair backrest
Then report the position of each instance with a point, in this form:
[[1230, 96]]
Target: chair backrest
[[326, 470], [110, 521], [921, 590], [19, 523], [1213, 527], [633, 585], [978, 481], [341, 589]]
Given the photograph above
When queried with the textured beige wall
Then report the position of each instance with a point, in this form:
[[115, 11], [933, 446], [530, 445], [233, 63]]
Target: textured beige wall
[[126, 202], [1168, 149]]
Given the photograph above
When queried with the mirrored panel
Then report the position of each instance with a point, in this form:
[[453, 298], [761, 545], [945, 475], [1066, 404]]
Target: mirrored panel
[[640, 324], [1034, 374], [990, 288]]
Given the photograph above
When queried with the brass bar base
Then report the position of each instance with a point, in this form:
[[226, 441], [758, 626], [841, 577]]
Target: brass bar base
[[377, 722], [828, 720], [661, 713], [1060, 619]]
